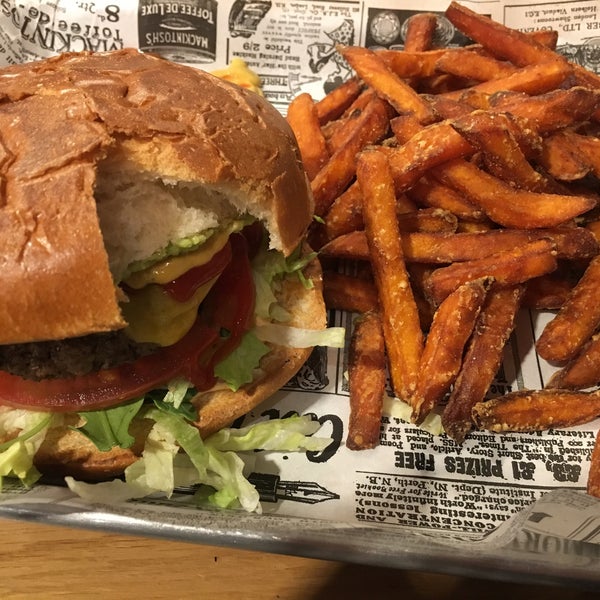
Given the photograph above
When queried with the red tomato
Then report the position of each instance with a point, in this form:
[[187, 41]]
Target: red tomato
[[228, 307]]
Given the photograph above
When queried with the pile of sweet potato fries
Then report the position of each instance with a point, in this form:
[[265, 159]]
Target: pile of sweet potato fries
[[462, 185]]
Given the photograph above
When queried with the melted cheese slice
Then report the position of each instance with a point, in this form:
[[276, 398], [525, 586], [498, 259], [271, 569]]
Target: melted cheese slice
[[153, 316]]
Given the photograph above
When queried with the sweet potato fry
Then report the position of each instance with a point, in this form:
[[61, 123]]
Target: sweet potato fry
[[568, 155], [594, 228], [533, 80], [333, 104], [345, 292], [561, 158], [581, 372], [372, 69], [464, 115], [304, 122], [447, 108], [501, 41], [419, 32], [349, 246], [427, 220], [507, 206], [366, 379], [429, 192], [431, 146], [345, 213], [452, 326], [439, 247], [537, 410], [507, 268], [482, 359], [593, 482], [589, 148], [337, 132], [491, 133], [402, 331], [472, 64], [550, 111], [473, 98], [548, 292], [411, 64], [338, 172], [577, 320], [405, 127]]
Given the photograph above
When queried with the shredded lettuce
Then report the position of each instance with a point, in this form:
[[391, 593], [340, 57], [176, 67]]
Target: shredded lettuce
[[226, 475], [267, 266], [283, 435], [177, 398], [177, 392], [296, 337], [394, 407], [16, 455], [213, 465]]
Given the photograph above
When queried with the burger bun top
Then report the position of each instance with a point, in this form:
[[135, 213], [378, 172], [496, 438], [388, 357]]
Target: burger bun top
[[82, 129]]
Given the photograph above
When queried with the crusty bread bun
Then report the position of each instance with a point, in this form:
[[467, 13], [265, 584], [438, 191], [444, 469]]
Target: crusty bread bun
[[104, 159], [116, 128]]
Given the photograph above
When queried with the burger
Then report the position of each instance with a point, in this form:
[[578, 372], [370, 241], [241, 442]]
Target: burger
[[156, 283]]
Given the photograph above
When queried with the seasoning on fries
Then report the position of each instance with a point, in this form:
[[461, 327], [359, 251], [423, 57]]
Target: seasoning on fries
[[401, 325], [464, 183], [450, 330], [482, 359], [577, 320], [583, 371], [367, 376], [537, 410], [507, 268]]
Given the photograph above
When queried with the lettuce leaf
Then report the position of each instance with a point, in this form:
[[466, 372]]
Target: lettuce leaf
[[237, 368], [109, 427]]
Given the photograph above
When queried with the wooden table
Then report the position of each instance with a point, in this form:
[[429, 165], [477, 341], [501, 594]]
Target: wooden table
[[42, 561]]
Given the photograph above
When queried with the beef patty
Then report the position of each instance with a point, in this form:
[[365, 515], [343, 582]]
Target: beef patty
[[71, 357]]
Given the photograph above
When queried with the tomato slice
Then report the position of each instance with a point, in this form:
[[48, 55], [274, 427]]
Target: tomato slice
[[228, 307], [184, 287]]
